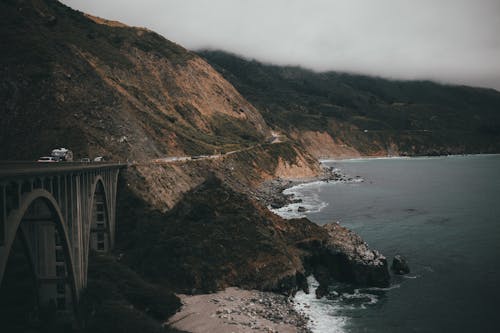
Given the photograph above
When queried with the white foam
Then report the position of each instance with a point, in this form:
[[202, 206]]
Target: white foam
[[311, 202], [395, 286], [358, 295], [322, 313]]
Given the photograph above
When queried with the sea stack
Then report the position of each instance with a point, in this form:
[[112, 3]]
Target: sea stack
[[400, 265]]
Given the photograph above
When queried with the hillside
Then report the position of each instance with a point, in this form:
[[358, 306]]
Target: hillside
[[103, 88], [342, 114]]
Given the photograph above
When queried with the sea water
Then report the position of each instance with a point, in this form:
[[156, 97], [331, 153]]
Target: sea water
[[443, 215]]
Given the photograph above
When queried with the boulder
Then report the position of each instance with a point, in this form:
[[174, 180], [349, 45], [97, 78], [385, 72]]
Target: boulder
[[321, 291], [356, 262], [400, 265]]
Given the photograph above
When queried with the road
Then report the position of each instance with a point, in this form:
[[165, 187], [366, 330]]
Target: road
[[172, 159], [21, 168], [276, 138]]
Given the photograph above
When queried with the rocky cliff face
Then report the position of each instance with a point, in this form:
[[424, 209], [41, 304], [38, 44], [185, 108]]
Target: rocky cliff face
[[322, 144], [364, 266], [103, 88]]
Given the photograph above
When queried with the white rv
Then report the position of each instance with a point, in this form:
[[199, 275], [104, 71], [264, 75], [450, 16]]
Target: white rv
[[62, 154]]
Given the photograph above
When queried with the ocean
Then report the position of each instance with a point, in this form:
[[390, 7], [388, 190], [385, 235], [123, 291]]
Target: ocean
[[443, 215]]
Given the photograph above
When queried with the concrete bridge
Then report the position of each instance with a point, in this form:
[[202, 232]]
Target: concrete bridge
[[56, 213]]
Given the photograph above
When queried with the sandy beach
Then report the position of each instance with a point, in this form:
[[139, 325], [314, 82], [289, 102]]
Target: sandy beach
[[237, 310]]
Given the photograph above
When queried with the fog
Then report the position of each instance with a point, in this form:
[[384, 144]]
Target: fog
[[455, 41]]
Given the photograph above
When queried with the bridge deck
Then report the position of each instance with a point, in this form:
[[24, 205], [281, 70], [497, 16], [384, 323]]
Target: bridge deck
[[15, 168]]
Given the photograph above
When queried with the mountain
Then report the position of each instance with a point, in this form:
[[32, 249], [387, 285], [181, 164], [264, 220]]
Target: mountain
[[343, 114], [103, 88]]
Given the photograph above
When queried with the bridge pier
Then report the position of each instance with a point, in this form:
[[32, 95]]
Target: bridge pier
[[46, 250]]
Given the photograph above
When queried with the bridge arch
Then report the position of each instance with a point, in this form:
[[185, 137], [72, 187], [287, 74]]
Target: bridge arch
[[100, 237], [46, 213], [39, 224]]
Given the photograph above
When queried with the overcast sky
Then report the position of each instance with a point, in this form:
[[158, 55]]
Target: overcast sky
[[454, 41]]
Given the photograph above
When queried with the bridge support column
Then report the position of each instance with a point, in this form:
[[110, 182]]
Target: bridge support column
[[46, 248]]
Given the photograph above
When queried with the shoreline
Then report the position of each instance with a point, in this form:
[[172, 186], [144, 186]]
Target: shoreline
[[271, 192], [239, 310]]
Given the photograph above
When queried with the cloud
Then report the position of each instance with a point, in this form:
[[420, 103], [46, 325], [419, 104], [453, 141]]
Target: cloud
[[453, 41]]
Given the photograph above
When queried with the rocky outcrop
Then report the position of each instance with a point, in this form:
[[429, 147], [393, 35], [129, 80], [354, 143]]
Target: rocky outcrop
[[362, 265], [343, 256], [400, 265]]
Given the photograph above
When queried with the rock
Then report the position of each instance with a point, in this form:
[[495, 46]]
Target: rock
[[276, 205], [400, 265], [321, 291], [301, 209], [345, 257]]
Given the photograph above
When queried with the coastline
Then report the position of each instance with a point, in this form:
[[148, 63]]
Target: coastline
[[239, 310], [236, 310], [270, 193]]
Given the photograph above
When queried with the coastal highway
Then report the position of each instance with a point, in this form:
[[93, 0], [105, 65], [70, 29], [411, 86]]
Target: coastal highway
[[17, 168], [172, 159], [276, 138]]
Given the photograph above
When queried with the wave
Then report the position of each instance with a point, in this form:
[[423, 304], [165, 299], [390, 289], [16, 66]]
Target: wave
[[322, 313], [411, 276], [308, 197], [358, 299], [310, 202], [395, 286], [328, 313]]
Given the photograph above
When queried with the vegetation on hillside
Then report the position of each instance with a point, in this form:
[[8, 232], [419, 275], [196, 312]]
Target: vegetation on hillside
[[214, 238], [103, 88], [368, 113]]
